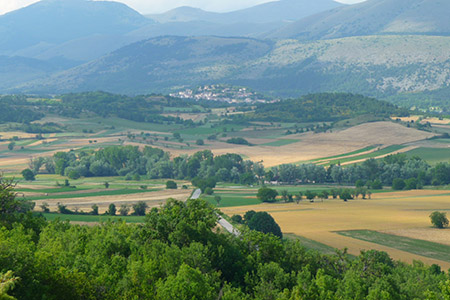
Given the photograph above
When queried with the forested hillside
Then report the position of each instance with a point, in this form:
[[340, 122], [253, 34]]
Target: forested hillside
[[325, 107], [177, 254]]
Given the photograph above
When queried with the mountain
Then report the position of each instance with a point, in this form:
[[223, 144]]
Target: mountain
[[41, 26], [379, 66], [186, 14], [158, 64], [372, 17], [271, 12]]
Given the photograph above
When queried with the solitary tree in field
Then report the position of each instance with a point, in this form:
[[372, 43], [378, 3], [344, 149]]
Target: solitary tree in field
[[170, 184], [266, 194], [218, 199], [285, 195], [263, 222], [112, 209], [345, 195], [324, 194], [139, 208], [28, 175], [310, 196], [124, 210], [44, 207], [439, 219], [94, 210], [298, 197]]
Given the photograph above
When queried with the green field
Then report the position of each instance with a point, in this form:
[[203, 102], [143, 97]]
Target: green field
[[310, 244], [431, 155], [92, 219], [374, 154], [230, 200], [280, 143], [93, 194], [419, 247]]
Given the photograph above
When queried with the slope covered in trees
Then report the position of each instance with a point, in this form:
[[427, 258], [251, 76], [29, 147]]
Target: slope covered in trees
[[325, 107]]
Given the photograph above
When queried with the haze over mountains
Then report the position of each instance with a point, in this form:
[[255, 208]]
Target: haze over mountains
[[378, 47], [373, 17]]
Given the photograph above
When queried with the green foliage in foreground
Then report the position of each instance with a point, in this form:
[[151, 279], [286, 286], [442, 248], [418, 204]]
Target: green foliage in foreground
[[176, 254]]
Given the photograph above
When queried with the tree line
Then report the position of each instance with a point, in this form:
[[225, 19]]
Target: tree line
[[132, 163], [397, 170], [178, 253]]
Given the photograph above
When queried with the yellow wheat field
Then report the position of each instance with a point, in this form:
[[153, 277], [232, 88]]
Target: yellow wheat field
[[403, 213]]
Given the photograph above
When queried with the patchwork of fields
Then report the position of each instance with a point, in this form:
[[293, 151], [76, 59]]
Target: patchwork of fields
[[356, 225], [333, 223], [84, 193], [344, 145]]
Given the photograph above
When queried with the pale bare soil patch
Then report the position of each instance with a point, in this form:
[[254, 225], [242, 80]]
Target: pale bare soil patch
[[153, 199], [40, 142], [187, 116], [436, 121], [52, 119], [407, 119], [385, 212], [19, 134]]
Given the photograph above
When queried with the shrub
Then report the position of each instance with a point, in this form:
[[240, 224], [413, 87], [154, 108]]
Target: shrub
[[209, 191], [139, 208], [439, 219], [266, 194], [398, 184], [238, 141], [263, 222], [28, 175], [199, 142], [112, 209], [170, 184], [376, 185], [237, 219], [73, 174]]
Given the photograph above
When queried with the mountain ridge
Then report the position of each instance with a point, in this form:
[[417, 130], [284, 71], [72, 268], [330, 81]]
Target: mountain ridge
[[370, 18]]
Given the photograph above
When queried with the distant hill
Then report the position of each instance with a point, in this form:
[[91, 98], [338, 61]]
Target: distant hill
[[378, 66], [276, 11], [373, 17], [159, 64], [39, 27], [322, 107], [250, 22]]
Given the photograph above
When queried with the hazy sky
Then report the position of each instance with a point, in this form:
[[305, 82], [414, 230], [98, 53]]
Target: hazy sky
[[157, 6]]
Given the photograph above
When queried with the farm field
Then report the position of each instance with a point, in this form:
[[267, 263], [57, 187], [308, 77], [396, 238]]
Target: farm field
[[432, 155], [403, 213], [86, 219], [84, 193], [347, 145]]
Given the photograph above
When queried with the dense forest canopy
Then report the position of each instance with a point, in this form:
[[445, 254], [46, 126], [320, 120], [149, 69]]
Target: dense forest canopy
[[177, 254], [325, 107]]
